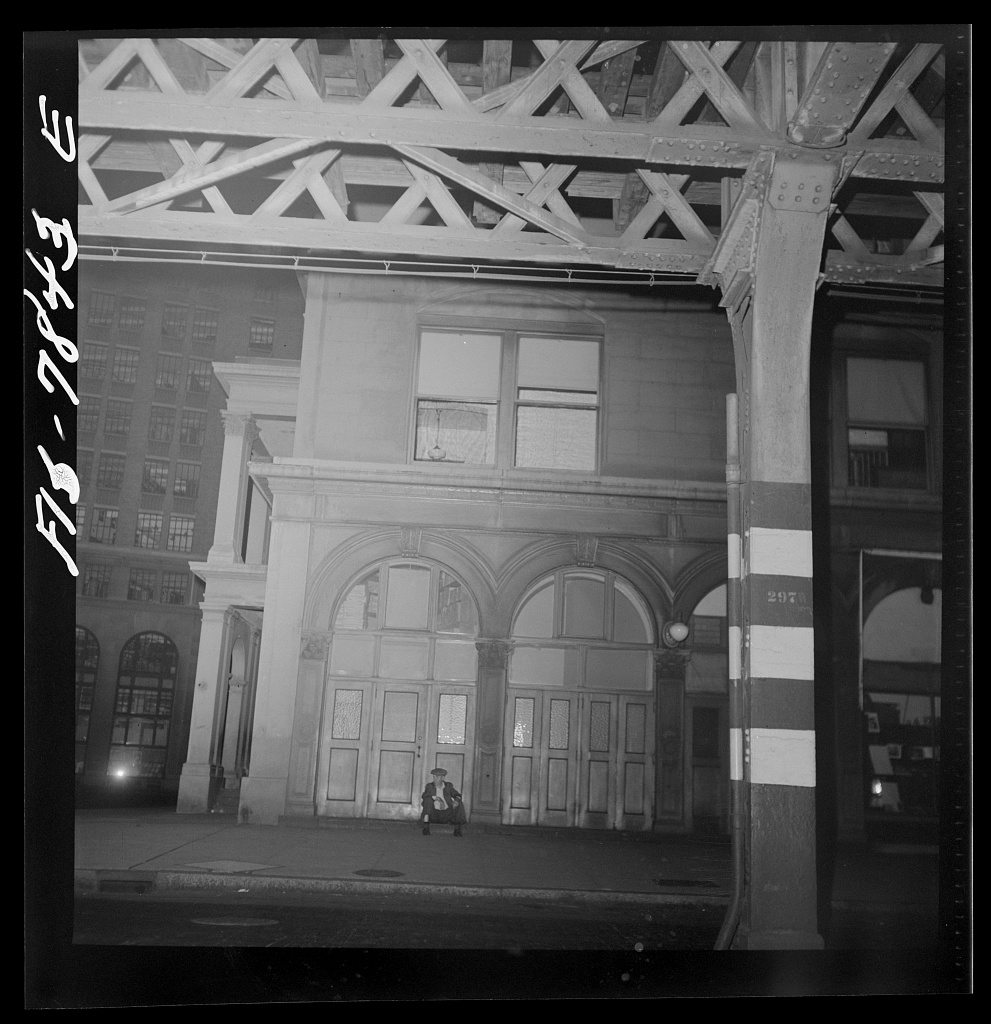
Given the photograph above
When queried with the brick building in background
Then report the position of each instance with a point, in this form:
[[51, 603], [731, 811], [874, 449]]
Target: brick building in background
[[150, 439]]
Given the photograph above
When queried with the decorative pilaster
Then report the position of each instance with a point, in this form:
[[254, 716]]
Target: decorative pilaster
[[669, 679], [314, 648], [493, 660], [240, 431], [202, 771]]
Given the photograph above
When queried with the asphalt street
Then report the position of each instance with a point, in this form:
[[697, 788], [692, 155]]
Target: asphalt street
[[367, 921]]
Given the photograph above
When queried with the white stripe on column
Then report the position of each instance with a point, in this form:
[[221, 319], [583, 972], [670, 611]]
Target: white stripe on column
[[781, 652], [736, 755], [733, 554], [783, 757], [780, 552], [735, 647]]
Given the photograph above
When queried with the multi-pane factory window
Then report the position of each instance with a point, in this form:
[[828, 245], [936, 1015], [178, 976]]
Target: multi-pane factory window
[[101, 309], [132, 314], [96, 580], [141, 585], [205, 323], [87, 413], [93, 360], [143, 706], [167, 375], [155, 477], [187, 480], [161, 424], [181, 533], [174, 321], [111, 471], [80, 516], [87, 665], [261, 336], [125, 369], [103, 528], [263, 293], [118, 418], [192, 429], [148, 533], [84, 466], [174, 587], [200, 376]]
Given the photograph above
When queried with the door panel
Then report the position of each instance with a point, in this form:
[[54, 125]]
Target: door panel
[[380, 739], [398, 733], [342, 769], [708, 758], [576, 758]]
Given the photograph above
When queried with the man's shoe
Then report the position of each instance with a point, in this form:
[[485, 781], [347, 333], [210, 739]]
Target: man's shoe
[[426, 831], [457, 832]]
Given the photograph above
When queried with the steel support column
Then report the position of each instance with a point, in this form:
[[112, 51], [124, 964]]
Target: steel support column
[[773, 338]]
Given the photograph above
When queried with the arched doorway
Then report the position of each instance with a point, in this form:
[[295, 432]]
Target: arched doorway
[[901, 677], [400, 692], [579, 729]]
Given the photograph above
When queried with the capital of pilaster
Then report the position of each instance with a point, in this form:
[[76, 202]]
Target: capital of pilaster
[[314, 646], [492, 653], [239, 424], [671, 664]]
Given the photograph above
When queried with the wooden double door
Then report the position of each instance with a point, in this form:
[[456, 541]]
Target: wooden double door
[[579, 759], [379, 741]]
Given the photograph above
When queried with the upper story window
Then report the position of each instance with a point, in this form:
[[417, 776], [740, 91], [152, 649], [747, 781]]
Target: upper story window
[[507, 398], [174, 321], [101, 309], [199, 376], [167, 375], [132, 314], [125, 369], [161, 423], [88, 412], [886, 423], [118, 418], [192, 427], [93, 360], [205, 323], [261, 336]]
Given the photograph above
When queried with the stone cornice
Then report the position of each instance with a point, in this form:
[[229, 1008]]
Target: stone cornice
[[324, 477]]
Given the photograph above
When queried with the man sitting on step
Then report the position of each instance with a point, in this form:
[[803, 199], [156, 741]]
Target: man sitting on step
[[442, 804]]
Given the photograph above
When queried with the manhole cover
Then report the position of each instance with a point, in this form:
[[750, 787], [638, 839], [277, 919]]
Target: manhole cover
[[687, 883], [379, 873], [234, 922]]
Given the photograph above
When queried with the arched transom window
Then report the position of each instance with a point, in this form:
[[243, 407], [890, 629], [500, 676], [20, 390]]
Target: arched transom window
[[406, 619], [87, 665], [583, 629], [143, 707]]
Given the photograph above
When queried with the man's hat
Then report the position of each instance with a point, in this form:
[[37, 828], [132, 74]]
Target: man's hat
[[438, 771]]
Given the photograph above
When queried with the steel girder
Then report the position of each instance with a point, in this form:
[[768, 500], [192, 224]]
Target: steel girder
[[281, 146]]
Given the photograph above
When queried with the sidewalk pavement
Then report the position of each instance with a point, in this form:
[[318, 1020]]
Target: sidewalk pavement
[[157, 849]]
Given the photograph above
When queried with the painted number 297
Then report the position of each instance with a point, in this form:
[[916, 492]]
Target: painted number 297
[[785, 597]]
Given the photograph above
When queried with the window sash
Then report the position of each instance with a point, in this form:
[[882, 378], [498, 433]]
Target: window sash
[[161, 424], [167, 375], [93, 360], [508, 398]]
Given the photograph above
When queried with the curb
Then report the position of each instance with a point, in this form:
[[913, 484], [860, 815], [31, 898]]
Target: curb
[[94, 881]]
